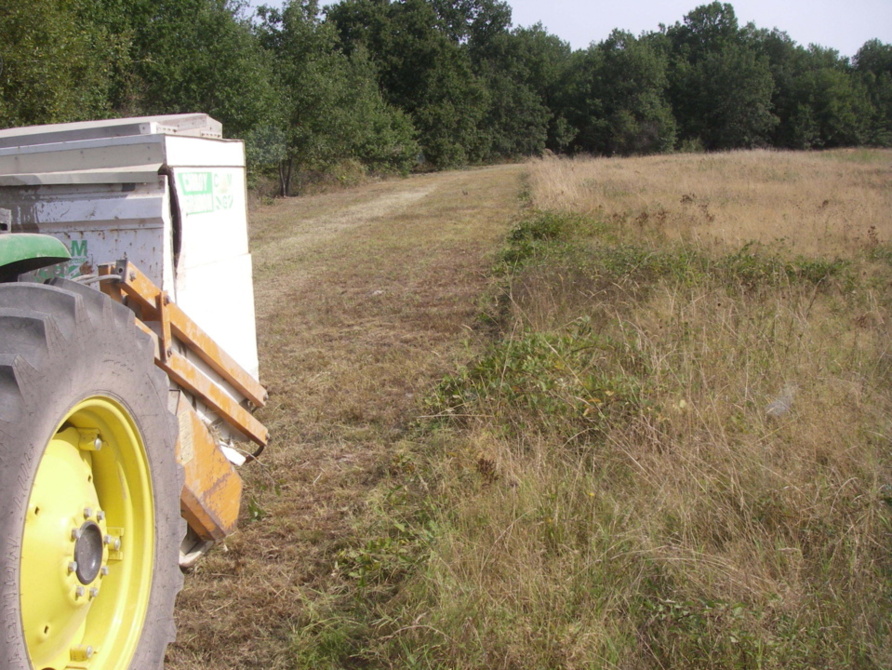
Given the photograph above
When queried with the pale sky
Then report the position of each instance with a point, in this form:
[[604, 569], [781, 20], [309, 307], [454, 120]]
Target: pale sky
[[844, 25]]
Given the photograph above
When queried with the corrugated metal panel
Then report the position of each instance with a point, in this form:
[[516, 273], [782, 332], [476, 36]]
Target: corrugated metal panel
[[139, 174], [83, 155]]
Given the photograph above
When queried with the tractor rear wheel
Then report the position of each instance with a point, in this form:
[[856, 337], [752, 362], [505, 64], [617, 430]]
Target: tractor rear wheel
[[90, 523]]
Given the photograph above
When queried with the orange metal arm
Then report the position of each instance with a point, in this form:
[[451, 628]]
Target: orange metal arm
[[156, 306], [154, 303]]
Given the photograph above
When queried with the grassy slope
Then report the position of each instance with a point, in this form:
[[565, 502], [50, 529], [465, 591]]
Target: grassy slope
[[682, 434], [673, 452]]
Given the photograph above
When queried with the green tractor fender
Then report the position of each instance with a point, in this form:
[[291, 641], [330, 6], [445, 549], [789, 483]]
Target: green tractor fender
[[24, 252]]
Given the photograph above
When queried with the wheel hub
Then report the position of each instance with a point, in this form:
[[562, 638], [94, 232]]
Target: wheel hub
[[88, 552], [87, 546]]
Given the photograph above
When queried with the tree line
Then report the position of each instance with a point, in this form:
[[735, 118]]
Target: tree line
[[398, 85]]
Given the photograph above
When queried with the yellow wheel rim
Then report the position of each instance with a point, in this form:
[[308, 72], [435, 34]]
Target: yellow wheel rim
[[88, 542]]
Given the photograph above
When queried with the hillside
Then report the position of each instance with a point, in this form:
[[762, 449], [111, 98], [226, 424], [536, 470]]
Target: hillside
[[613, 413]]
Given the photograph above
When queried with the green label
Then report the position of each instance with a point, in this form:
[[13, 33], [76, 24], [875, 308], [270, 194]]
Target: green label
[[78, 265], [196, 192], [78, 248], [204, 192]]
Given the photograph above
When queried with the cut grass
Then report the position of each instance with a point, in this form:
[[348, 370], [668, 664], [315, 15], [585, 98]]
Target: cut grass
[[364, 299]]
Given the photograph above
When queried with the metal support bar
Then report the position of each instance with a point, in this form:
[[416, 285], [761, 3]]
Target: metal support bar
[[212, 489], [140, 288], [156, 306]]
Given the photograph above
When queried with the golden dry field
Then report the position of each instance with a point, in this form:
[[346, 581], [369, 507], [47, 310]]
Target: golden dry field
[[618, 413], [831, 203]]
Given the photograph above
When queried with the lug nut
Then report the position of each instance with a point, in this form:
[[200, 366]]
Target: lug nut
[[94, 592], [72, 566], [100, 515], [79, 592], [75, 533], [88, 512], [89, 440], [82, 653], [103, 571]]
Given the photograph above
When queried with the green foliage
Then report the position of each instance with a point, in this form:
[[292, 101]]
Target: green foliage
[[704, 634], [421, 70], [749, 268], [721, 85], [597, 251], [531, 236], [334, 107], [622, 107], [418, 84], [191, 55], [384, 559], [873, 66], [56, 67], [539, 379]]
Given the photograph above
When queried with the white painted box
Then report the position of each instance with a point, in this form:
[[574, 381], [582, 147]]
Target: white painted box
[[166, 192]]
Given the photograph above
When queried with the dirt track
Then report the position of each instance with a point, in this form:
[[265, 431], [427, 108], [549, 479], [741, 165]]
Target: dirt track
[[364, 299]]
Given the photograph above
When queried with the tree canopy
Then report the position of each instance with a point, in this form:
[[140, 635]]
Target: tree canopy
[[397, 85]]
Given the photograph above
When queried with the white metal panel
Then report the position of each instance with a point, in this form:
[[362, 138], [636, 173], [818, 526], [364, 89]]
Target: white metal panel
[[131, 206], [198, 152], [99, 224], [219, 296], [96, 154], [212, 209], [137, 174], [199, 125]]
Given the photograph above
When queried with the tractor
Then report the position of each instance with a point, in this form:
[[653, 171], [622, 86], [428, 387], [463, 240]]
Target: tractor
[[128, 380]]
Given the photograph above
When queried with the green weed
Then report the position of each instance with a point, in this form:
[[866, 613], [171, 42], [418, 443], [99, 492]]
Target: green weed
[[577, 379]]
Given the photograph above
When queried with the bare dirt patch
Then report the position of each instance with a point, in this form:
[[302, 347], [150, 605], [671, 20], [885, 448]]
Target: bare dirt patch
[[364, 299]]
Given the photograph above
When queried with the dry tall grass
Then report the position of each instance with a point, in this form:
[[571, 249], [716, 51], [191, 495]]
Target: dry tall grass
[[829, 203], [678, 452], [669, 446]]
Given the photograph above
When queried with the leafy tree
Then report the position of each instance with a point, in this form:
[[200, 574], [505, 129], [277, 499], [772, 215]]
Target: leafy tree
[[873, 66], [721, 84], [546, 60], [473, 22], [190, 55], [422, 70], [516, 119], [834, 103], [787, 61], [334, 109], [514, 68], [622, 106], [54, 67], [707, 29], [310, 78]]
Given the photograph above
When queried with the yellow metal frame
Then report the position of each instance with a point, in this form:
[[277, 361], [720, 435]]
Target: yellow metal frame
[[212, 491]]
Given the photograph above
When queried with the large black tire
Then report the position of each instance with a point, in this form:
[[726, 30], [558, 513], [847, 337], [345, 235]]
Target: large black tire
[[62, 348]]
